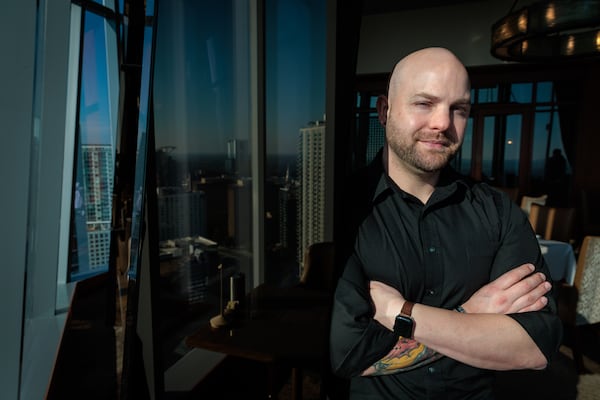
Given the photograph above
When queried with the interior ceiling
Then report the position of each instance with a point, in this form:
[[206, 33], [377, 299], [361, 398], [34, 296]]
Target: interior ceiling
[[391, 6]]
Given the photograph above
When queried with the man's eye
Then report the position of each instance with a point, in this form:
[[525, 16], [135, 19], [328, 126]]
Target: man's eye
[[463, 111]]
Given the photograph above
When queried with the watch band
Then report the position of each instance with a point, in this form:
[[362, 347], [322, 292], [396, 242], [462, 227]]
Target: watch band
[[407, 308]]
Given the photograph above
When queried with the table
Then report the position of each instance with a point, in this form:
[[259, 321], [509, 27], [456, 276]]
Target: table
[[277, 326], [560, 259]]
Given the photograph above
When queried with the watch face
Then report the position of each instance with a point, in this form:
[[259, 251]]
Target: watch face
[[403, 326]]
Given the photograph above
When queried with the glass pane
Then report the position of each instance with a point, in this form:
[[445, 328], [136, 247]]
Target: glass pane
[[551, 169], [373, 100], [295, 135], [487, 95], [462, 162], [140, 163], [94, 174], [376, 137], [487, 160], [512, 150], [501, 149], [541, 146], [521, 92], [544, 92], [202, 108], [108, 3]]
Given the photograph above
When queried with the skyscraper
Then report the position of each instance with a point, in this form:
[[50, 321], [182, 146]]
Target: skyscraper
[[311, 199], [181, 213], [93, 200]]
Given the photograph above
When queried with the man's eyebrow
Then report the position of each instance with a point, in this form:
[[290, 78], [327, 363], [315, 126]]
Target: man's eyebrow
[[425, 95], [429, 96], [463, 103]]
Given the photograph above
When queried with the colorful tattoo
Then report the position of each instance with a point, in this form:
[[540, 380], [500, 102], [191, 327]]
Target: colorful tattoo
[[407, 354]]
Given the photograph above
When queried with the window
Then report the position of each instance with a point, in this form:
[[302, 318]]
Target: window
[[295, 135], [95, 148], [201, 125]]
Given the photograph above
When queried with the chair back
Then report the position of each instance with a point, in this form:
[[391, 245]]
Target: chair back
[[319, 266], [553, 223], [587, 281], [527, 201]]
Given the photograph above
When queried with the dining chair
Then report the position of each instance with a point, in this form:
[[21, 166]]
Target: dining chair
[[590, 212], [579, 304], [318, 266], [527, 201], [553, 223]]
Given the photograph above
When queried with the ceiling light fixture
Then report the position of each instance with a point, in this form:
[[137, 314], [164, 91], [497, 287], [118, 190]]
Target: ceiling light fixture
[[558, 29]]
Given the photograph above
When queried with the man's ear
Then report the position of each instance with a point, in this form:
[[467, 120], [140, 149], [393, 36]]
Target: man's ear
[[382, 108]]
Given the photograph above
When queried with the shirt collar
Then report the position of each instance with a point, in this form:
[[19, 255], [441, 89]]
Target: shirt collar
[[450, 181]]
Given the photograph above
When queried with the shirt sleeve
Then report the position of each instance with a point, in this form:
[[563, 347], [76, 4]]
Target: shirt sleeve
[[518, 246], [356, 339]]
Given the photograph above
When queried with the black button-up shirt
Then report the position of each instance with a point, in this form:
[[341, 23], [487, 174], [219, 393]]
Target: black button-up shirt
[[437, 254]]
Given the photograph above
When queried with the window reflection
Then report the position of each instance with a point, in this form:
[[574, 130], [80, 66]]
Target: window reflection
[[295, 134], [201, 108], [95, 150]]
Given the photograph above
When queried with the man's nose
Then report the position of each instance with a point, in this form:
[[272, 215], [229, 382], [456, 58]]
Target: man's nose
[[440, 119]]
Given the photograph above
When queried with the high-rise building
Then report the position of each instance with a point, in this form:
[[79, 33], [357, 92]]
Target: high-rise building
[[93, 200], [287, 213], [311, 199], [181, 214], [237, 161]]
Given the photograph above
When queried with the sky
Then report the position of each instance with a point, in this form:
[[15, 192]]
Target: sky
[[201, 81]]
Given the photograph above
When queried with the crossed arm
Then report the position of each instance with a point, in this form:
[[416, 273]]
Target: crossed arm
[[516, 291]]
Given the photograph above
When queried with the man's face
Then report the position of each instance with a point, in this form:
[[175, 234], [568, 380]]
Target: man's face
[[427, 114]]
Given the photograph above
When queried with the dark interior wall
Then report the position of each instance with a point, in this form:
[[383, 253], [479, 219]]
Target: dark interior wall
[[588, 144]]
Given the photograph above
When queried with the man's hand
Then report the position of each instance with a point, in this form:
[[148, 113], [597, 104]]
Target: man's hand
[[516, 291]]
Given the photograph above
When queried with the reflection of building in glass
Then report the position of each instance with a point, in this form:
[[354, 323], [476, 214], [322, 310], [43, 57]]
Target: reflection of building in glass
[[98, 182], [237, 162], [288, 205], [311, 173], [93, 215], [180, 214], [166, 167], [215, 191], [239, 230]]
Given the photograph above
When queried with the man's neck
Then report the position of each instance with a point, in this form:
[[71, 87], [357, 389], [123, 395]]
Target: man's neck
[[418, 183]]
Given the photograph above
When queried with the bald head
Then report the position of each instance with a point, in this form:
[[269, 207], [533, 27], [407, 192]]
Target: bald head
[[421, 64]]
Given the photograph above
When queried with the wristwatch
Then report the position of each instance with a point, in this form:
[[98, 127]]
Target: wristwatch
[[404, 324]]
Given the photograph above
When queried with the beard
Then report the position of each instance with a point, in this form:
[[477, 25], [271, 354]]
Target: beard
[[406, 148]]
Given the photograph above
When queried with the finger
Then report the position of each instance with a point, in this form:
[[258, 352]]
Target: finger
[[530, 301], [525, 286], [538, 305], [513, 276]]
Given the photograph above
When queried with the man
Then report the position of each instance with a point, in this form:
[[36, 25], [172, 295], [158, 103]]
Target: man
[[439, 289]]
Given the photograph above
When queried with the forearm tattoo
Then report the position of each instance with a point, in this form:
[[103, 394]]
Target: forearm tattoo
[[407, 354]]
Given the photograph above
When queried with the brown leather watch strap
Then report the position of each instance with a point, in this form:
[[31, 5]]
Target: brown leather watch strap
[[407, 308]]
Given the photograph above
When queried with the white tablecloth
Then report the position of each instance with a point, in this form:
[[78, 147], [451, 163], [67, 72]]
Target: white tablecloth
[[560, 259]]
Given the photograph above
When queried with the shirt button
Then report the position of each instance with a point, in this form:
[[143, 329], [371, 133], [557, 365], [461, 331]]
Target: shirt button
[[431, 370], [430, 292], [432, 249]]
